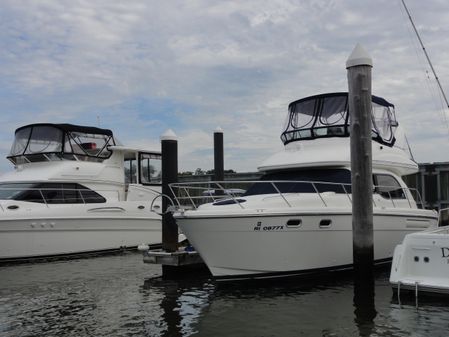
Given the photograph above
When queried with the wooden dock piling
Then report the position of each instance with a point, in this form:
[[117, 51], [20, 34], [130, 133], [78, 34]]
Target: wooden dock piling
[[359, 66]]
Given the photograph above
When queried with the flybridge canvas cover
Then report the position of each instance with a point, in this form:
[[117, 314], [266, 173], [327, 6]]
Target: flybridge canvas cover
[[327, 115], [43, 142]]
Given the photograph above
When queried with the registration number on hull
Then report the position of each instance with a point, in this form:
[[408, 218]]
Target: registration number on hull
[[269, 228]]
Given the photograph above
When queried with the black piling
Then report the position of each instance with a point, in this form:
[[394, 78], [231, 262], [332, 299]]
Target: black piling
[[359, 66], [169, 148], [218, 155], [176, 264]]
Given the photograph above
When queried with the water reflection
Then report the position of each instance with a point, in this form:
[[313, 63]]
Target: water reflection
[[182, 303], [280, 308], [121, 296], [364, 305]]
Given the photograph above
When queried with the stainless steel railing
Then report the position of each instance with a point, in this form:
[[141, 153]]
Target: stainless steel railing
[[193, 194]]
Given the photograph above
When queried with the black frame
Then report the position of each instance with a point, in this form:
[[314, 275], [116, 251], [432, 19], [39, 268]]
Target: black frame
[[139, 166], [66, 130], [294, 134]]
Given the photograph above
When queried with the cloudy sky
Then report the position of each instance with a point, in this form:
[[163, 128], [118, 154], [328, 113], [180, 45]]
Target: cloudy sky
[[140, 67]]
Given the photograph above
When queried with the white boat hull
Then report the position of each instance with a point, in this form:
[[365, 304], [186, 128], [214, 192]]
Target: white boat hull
[[76, 229], [421, 262], [260, 246]]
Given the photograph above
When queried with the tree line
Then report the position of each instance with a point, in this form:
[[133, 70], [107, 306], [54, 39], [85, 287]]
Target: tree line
[[199, 172]]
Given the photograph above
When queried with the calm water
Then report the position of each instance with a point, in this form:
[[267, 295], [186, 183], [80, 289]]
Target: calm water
[[121, 296]]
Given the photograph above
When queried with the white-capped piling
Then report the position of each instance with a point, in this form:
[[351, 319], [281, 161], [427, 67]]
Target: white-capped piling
[[218, 155], [176, 263], [359, 65], [169, 149]]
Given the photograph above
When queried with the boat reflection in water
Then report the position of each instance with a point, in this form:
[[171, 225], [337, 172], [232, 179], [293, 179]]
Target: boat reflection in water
[[118, 296]]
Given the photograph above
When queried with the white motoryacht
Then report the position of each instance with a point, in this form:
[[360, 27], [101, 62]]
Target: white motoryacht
[[74, 190], [298, 219]]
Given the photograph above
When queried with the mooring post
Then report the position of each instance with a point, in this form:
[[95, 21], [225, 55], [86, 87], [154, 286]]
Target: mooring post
[[359, 66], [169, 148], [218, 157]]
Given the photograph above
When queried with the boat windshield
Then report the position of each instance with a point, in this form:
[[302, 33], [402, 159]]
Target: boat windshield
[[45, 142], [327, 115], [304, 181]]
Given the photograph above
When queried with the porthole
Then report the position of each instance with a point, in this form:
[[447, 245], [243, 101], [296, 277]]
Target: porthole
[[12, 207], [294, 223], [426, 259], [325, 223], [416, 258]]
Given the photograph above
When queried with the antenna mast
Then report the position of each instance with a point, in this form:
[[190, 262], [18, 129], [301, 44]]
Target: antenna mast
[[425, 53]]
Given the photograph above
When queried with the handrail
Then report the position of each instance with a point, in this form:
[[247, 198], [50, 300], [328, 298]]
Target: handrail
[[319, 194], [81, 196], [277, 189], [191, 192], [143, 188]]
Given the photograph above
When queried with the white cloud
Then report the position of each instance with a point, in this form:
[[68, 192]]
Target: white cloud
[[229, 63]]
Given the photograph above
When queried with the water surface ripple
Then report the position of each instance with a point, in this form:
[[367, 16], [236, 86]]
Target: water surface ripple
[[119, 295]]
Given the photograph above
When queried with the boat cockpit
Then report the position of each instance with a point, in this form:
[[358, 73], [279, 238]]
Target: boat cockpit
[[50, 142], [327, 115]]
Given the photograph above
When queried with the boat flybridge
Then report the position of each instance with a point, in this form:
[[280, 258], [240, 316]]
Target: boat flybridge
[[297, 219], [74, 190]]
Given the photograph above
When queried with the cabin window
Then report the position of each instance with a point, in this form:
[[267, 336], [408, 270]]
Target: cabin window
[[50, 193], [304, 181], [150, 168], [130, 171], [388, 187]]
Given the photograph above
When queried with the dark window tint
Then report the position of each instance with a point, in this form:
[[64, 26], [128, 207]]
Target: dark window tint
[[324, 180], [90, 196], [50, 193]]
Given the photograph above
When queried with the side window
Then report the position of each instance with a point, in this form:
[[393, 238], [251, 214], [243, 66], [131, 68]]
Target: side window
[[150, 168], [388, 187], [32, 195], [130, 171], [49, 193], [89, 196], [70, 194], [52, 193]]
